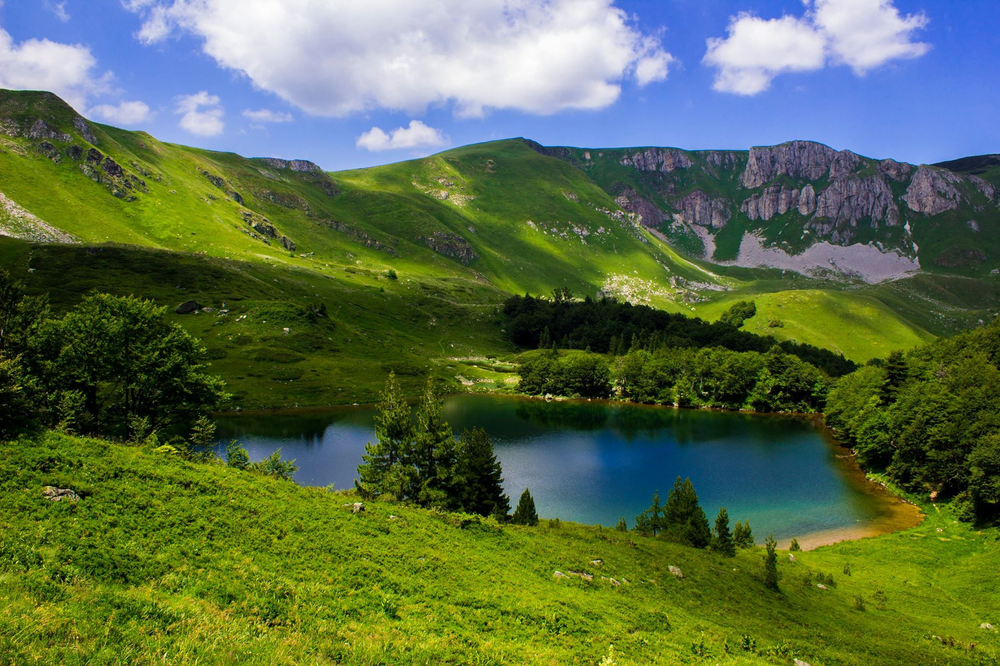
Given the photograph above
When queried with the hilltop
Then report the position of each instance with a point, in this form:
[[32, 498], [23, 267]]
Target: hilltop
[[413, 259]]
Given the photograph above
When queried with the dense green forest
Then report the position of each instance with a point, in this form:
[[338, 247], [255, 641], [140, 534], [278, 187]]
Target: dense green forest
[[714, 377], [607, 326], [930, 419]]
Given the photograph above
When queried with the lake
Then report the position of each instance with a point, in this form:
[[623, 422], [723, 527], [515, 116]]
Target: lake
[[591, 462]]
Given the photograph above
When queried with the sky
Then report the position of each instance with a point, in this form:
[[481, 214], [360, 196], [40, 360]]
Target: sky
[[350, 84]]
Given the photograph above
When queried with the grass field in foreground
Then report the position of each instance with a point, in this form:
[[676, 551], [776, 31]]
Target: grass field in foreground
[[168, 561]]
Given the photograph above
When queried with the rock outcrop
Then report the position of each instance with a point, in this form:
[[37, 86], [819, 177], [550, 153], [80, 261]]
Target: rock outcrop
[[301, 166], [663, 160], [803, 160], [778, 200], [850, 200], [700, 209], [932, 191], [452, 246], [649, 213]]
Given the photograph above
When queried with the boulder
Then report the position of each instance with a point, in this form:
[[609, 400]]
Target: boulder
[[358, 507], [821, 586], [675, 571], [187, 307], [58, 494], [987, 626], [799, 662]]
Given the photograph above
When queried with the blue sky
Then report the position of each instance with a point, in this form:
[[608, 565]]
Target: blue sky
[[334, 81]]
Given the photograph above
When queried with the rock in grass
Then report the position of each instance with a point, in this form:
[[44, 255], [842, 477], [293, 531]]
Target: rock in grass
[[675, 571], [187, 307], [58, 494], [799, 662]]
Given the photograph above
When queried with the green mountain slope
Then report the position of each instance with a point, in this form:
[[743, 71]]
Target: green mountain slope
[[167, 561], [411, 259]]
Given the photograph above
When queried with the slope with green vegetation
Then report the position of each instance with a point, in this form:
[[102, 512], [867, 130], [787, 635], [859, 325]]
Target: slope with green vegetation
[[410, 260], [164, 559]]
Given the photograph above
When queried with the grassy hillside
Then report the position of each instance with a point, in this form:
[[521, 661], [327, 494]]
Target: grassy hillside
[[165, 560], [410, 259]]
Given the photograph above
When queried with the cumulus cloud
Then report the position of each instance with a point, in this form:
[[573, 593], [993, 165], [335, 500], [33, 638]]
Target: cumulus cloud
[[125, 113], [863, 34], [417, 135], [201, 114], [338, 57], [268, 116], [39, 64]]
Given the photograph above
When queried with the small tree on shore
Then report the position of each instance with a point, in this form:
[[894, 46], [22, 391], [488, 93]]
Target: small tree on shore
[[723, 541], [525, 513], [684, 520], [481, 475], [380, 472], [770, 574], [743, 535]]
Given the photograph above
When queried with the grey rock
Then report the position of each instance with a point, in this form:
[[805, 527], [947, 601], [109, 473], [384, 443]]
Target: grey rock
[[59, 494], [898, 171], [451, 245], [287, 243], [701, 209], [663, 160], [357, 507], [94, 156], [75, 153], [83, 127], [41, 130], [849, 200], [301, 166], [932, 191], [675, 571], [112, 169], [187, 307], [986, 188], [797, 159], [649, 213]]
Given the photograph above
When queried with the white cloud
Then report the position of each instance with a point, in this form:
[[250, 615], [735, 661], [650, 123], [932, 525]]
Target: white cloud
[[268, 116], [863, 34], [340, 56], [125, 113], [59, 9], [201, 114], [417, 135], [40, 64]]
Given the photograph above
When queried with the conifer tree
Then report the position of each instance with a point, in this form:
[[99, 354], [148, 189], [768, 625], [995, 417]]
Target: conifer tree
[[545, 340], [435, 455], [896, 374], [381, 472], [723, 541], [771, 563], [621, 525], [525, 513], [794, 547], [481, 475], [684, 520], [743, 535]]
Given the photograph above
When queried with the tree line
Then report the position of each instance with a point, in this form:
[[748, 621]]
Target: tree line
[[774, 381], [606, 326], [930, 420]]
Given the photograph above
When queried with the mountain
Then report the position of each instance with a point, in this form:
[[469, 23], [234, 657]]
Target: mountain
[[804, 206], [412, 259]]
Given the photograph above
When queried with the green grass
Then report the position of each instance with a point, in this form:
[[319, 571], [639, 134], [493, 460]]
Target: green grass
[[858, 326], [169, 561]]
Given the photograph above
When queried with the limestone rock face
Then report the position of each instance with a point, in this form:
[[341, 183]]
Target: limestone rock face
[[932, 191], [649, 214], [301, 166], [775, 200], [895, 170], [850, 200], [701, 209], [797, 159], [664, 160], [986, 188]]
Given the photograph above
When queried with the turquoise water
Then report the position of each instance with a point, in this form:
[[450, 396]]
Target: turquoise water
[[593, 462]]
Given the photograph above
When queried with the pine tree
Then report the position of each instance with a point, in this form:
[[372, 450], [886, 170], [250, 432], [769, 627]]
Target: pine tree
[[795, 547], [896, 374], [525, 513], [743, 535], [481, 475], [381, 472], [545, 340], [435, 456], [202, 438], [771, 563], [684, 520], [621, 525], [723, 541]]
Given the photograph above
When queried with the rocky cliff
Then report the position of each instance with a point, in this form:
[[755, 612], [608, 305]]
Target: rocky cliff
[[827, 195]]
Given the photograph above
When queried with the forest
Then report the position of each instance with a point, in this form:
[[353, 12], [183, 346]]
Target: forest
[[607, 326], [930, 420]]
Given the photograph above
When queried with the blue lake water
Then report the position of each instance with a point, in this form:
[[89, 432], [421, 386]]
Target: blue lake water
[[593, 462]]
